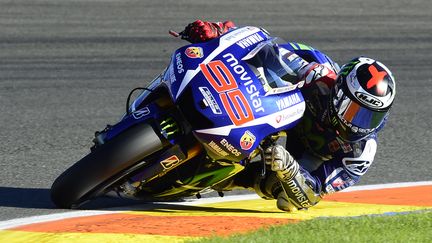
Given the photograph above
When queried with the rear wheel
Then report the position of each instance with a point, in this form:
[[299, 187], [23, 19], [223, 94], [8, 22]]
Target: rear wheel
[[104, 166]]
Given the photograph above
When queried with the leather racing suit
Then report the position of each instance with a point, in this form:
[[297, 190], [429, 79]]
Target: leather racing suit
[[327, 163]]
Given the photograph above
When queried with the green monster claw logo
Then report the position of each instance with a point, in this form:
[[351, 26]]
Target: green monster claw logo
[[334, 121], [348, 67], [169, 127]]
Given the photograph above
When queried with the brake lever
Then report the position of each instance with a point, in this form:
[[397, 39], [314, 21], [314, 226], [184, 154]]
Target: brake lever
[[181, 34], [174, 33]]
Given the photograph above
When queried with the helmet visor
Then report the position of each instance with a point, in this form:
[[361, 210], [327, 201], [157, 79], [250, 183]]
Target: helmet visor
[[353, 121]]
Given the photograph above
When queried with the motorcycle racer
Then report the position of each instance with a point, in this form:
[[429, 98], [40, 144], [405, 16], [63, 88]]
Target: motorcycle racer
[[336, 140]]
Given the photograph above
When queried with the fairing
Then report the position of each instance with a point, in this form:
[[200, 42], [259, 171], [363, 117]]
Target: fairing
[[232, 110]]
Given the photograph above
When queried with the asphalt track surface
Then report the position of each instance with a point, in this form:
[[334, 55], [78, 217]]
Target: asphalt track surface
[[66, 68], [206, 217]]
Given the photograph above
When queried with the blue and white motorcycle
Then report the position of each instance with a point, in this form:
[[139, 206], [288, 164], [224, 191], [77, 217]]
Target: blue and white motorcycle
[[204, 119]]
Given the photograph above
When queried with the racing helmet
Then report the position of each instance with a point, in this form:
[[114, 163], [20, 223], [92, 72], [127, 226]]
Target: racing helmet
[[361, 98]]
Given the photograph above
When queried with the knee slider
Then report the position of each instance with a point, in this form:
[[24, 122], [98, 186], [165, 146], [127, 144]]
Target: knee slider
[[268, 187], [299, 193]]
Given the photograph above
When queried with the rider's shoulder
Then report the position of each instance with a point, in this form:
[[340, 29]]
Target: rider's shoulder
[[367, 145], [311, 54]]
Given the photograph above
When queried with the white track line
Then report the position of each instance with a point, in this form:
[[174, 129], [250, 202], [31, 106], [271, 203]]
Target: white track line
[[50, 217], [80, 213], [386, 186]]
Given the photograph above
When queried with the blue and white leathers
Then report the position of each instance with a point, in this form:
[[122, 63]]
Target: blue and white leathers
[[329, 163]]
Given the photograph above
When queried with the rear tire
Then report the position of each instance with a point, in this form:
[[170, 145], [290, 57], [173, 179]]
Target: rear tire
[[104, 166]]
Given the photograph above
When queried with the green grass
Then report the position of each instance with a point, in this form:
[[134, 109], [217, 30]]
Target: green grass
[[412, 227]]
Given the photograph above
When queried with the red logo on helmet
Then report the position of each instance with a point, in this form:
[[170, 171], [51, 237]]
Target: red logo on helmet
[[377, 80], [194, 52]]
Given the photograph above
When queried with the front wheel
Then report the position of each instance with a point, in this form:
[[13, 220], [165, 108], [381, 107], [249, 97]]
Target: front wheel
[[104, 166]]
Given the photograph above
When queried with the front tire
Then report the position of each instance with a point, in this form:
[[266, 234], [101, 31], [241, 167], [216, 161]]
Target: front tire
[[104, 166]]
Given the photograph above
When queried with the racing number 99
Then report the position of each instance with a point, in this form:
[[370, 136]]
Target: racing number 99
[[225, 84]]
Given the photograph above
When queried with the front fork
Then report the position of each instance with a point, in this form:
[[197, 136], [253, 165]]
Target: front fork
[[172, 157]]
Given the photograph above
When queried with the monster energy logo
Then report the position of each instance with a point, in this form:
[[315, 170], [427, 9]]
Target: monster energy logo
[[348, 67], [334, 121], [169, 127]]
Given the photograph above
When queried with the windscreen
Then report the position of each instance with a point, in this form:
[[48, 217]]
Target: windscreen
[[271, 65]]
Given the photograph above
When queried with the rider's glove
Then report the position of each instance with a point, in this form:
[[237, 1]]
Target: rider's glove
[[200, 31], [281, 162], [315, 72]]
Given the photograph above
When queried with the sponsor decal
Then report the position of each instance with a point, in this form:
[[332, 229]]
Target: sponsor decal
[[337, 182], [233, 100], [289, 115], [347, 68], [342, 182], [247, 140], [288, 101], [369, 100], [359, 165], [346, 147], [230, 148], [172, 76], [285, 89], [334, 146], [238, 32], [337, 144], [352, 78], [179, 63], [170, 162], [226, 41], [329, 189], [355, 128], [211, 101], [251, 89], [194, 52], [299, 194], [141, 113], [356, 167], [250, 40], [316, 73], [216, 148], [220, 150], [279, 118], [377, 80], [357, 150]]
